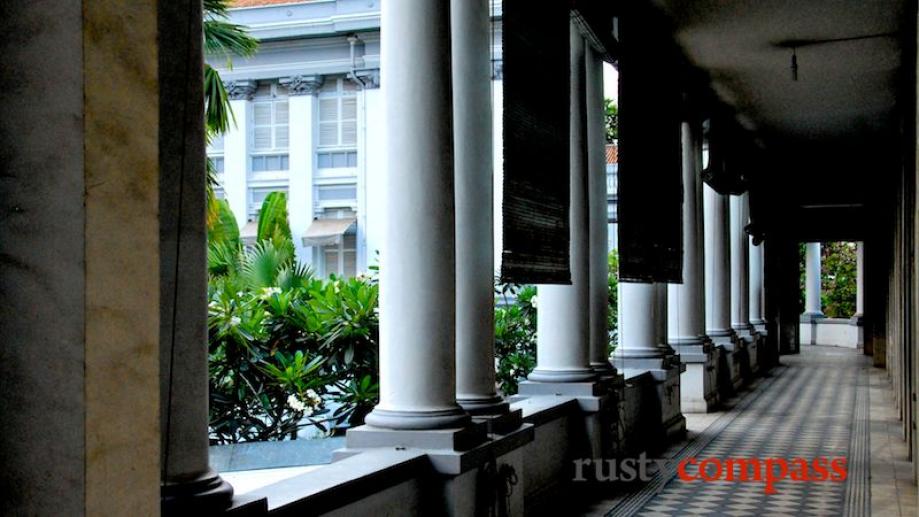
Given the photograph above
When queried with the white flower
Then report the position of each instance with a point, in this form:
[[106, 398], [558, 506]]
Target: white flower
[[295, 403], [533, 302], [313, 399], [268, 292], [235, 321]]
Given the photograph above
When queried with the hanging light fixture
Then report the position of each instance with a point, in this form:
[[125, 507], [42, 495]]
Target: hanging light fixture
[[794, 64]]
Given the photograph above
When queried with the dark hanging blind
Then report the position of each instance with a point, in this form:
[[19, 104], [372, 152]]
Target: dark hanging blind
[[650, 181], [536, 178]]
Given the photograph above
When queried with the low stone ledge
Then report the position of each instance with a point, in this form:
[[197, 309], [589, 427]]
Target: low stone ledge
[[344, 482], [269, 455]]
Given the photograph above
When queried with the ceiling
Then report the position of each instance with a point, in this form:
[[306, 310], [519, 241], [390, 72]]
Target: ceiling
[[826, 127], [844, 89]]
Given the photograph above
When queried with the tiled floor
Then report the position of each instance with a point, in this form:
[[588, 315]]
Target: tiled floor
[[816, 405], [893, 492]]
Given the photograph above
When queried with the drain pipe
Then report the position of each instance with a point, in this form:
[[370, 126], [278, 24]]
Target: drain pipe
[[353, 40]]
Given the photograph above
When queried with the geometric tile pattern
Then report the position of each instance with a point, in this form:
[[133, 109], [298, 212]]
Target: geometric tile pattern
[[806, 412]]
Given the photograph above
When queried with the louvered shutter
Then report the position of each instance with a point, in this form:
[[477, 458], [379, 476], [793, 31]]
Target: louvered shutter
[[281, 120], [349, 121], [261, 125], [328, 121]]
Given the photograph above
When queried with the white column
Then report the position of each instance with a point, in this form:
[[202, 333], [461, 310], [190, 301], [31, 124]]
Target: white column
[[756, 284], [660, 318], [686, 315], [598, 304], [563, 342], [497, 100], [472, 125], [860, 280], [812, 304], [717, 266], [374, 167], [417, 274], [641, 335], [236, 149], [302, 102], [740, 295]]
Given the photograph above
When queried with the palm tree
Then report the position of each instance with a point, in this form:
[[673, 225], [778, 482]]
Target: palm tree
[[226, 40]]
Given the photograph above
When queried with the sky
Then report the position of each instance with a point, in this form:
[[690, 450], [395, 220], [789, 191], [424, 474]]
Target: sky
[[610, 82]]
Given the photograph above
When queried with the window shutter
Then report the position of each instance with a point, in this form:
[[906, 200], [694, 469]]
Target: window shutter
[[261, 114], [328, 121], [349, 121]]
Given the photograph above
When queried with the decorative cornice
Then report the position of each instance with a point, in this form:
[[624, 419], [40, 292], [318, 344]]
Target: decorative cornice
[[302, 84], [369, 78], [497, 69], [240, 90]]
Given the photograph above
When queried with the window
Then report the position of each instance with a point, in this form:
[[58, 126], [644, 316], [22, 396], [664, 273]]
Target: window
[[270, 132], [336, 160], [270, 119], [341, 259], [337, 125], [270, 162]]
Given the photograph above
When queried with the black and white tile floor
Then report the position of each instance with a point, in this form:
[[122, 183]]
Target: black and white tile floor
[[808, 410]]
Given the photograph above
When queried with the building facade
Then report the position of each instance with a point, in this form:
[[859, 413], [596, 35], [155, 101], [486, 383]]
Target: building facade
[[309, 121]]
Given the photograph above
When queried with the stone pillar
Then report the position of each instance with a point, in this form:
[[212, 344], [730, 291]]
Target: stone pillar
[[188, 483], [740, 288], [686, 317], [858, 319], [757, 314], [302, 92], [686, 301], [563, 343], [860, 282], [812, 304], [472, 121], [598, 305], [718, 289], [740, 283], [717, 267], [640, 337], [417, 277], [236, 149]]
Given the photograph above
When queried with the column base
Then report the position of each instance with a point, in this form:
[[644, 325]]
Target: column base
[[603, 368], [857, 319], [808, 317], [699, 384], [638, 360], [453, 439], [560, 375], [206, 494], [483, 406], [418, 420]]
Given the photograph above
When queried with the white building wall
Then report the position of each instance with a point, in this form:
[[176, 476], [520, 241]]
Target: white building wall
[[311, 40], [302, 164], [235, 154]]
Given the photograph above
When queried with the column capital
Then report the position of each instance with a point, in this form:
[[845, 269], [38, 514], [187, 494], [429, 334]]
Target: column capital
[[302, 84], [240, 90], [370, 79]]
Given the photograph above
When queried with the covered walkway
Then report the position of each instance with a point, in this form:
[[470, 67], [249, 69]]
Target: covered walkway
[[824, 403]]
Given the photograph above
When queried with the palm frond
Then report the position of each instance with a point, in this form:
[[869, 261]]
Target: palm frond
[[226, 39], [217, 111]]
